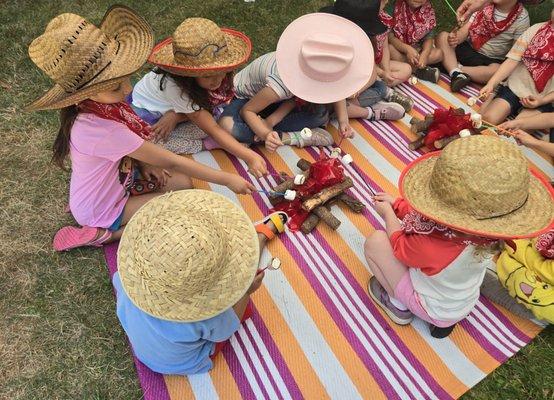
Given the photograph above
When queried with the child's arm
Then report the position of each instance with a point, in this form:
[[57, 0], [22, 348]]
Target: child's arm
[[205, 121], [256, 104], [537, 101], [545, 121], [167, 123], [425, 51], [159, 157], [240, 306], [411, 54], [529, 141], [284, 109], [457, 36], [504, 71], [385, 72], [342, 117]]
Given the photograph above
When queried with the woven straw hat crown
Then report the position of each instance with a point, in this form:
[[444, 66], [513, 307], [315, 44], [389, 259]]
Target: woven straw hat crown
[[198, 42], [72, 51], [484, 181]]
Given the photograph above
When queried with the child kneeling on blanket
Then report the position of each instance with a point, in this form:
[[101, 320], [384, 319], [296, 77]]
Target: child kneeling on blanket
[[187, 265], [433, 262]]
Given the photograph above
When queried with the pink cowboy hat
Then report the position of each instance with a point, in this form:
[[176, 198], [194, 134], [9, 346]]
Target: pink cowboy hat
[[323, 58]]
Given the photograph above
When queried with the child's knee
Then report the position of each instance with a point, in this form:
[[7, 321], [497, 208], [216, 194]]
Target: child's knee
[[227, 123], [441, 39], [375, 241]]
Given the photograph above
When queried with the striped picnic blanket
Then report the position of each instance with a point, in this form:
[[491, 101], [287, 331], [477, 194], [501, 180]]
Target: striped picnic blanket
[[315, 333]]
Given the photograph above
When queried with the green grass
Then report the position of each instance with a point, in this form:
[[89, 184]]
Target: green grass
[[59, 336]]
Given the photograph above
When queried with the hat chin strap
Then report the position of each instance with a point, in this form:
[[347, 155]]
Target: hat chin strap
[[506, 213]]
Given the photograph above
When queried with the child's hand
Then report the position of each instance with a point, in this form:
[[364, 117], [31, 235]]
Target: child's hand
[[345, 129], [486, 91], [513, 124], [256, 283], [384, 197], [423, 58], [256, 165], [165, 125], [151, 173], [387, 77], [382, 207], [239, 185], [272, 141], [412, 55], [524, 138], [453, 39], [531, 101]]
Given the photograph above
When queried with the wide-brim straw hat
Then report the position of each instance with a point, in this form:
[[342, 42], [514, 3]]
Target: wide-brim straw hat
[[188, 255], [199, 47], [481, 185], [323, 58], [83, 59]]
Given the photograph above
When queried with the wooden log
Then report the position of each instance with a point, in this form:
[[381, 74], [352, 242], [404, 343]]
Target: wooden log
[[303, 164], [416, 144], [327, 194], [325, 215], [354, 204], [421, 126], [441, 143], [310, 223]]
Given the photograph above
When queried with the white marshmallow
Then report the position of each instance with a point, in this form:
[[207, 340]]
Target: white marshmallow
[[347, 159], [275, 263], [471, 101], [412, 80], [299, 179], [290, 195], [306, 133], [336, 150], [478, 124], [464, 133], [476, 117]]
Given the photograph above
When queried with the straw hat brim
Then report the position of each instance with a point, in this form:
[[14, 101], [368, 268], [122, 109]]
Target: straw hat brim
[[239, 48], [234, 278], [136, 40], [535, 217]]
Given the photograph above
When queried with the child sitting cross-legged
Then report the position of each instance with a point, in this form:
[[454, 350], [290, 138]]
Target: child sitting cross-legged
[[475, 51], [455, 207], [412, 38], [187, 266], [192, 80], [109, 145], [528, 71], [320, 61]]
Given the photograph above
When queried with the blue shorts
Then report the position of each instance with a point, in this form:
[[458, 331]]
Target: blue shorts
[[117, 223], [150, 117], [506, 94]]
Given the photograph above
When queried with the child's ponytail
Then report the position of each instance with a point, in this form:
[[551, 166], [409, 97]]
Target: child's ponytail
[[61, 144]]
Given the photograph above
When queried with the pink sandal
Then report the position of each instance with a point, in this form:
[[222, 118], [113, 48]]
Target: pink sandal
[[71, 237]]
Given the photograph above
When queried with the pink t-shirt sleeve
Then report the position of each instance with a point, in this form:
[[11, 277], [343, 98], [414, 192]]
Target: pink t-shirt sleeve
[[117, 144]]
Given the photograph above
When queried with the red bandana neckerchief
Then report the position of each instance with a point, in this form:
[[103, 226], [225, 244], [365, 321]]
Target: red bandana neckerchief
[[223, 94], [411, 26], [120, 112], [387, 20], [539, 56], [415, 223], [545, 244], [484, 27]]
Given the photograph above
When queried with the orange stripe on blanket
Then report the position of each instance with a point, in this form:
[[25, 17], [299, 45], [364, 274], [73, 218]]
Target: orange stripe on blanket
[[223, 380], [178, 387], [348, 358]]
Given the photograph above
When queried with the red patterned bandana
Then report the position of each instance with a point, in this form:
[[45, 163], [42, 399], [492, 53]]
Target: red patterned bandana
[[484, 27], [387, 20], [224, 93], [120, 112], [545, 244], [415, 223], [539, 56], [411, 26]]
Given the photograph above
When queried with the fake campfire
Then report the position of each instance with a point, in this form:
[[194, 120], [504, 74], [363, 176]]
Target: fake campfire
[[308, 197]]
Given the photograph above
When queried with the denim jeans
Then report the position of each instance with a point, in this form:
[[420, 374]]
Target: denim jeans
[[296, 120], [373, 94]]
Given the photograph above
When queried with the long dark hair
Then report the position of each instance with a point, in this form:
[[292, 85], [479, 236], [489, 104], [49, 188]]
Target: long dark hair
[[200, 97], [61, 144]]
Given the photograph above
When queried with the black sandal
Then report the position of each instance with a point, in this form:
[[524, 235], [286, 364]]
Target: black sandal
[[441, 333]]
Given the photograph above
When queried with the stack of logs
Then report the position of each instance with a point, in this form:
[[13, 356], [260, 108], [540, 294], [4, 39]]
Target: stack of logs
[[420, 128], [320, 203]]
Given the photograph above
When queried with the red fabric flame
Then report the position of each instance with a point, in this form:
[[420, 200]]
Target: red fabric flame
[[323, 173], [446, 123]]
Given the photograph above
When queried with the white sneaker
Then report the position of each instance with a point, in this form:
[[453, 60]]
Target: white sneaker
[[385, 110]]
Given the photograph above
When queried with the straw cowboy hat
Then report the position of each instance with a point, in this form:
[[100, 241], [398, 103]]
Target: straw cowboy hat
[[199, 47], [83, 59], [188, 255], [481, 185], [323, 58]]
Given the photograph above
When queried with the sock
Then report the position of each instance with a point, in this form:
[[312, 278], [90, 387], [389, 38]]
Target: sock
[[210, 144], [398, 304], [369, 112], [294, 138], [458, 70]]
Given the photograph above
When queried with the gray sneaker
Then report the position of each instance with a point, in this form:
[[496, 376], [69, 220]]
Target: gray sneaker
[[403, 100], [320, 137], [386, 110], [428, 74], [381, 297]]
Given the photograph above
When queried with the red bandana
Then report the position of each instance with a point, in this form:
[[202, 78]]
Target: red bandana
[[545, 244], [411, 26], [387, 20], [224, 93], [539, 56], [120, 112], [484, 27], [415, 223]]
